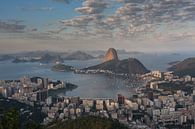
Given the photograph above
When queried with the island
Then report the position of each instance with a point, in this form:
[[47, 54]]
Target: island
[[62, 68]]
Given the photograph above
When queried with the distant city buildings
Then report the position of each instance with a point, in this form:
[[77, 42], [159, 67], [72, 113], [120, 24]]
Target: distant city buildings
[[29, 89]]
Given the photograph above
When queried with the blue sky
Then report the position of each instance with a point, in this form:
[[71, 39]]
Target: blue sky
[[28, 10], [141, 25]]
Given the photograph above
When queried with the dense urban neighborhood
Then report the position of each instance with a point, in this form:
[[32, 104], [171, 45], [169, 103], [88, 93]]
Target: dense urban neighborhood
[[165, 101]]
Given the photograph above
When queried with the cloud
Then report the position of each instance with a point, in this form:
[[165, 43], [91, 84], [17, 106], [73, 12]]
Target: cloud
[[15, 21], [57, 31], [41, 36], [153, 23], [138, 14], [88, 10], [66, 1], [129, 9], [38, 8], [63, 1], [11, 27], [31, 30], [81, 21], [92, 7], [176, 36], [131, 1], [128, 18]]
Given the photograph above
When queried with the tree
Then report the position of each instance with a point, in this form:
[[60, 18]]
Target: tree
[[32, 125], [1, 126], [11, 119], [87, 123]]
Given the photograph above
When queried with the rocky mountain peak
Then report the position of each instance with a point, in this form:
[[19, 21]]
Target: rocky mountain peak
[[111, 55]]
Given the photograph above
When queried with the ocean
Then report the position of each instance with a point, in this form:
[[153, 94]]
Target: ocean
[[89, 85]]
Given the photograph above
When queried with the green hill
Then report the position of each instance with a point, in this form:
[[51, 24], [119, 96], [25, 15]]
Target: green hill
[[62, 68], [88, 123], [186, 67], [130, 66]]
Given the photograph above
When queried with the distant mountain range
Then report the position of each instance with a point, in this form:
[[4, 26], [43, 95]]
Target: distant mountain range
[[70, 55], [111, 63], [47, 58], [5, 57], [186, 67], [78, 55], [53, 58]]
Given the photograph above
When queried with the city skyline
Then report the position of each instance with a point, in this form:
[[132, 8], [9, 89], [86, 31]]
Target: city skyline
[[61, 25]]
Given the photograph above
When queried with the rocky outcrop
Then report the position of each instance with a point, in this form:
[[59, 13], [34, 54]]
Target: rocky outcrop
[[126, 66], [111, 55]]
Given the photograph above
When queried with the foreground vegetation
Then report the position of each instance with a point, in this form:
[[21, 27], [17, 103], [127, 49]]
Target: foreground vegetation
[[88, 123], [10, 119]]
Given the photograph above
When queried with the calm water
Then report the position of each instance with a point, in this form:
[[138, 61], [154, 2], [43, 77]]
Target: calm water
[[90, 86]]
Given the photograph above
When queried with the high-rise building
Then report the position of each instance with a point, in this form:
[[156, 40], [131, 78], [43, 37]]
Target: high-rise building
[[45, 83], [150, 95], [27, 89], [121, 99], [194, 91], [42, 95], [193, 98], [39, 81], [25, 80], [75, 100], [49, 100], [3, 92], [99, 104], [193, 126]]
